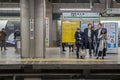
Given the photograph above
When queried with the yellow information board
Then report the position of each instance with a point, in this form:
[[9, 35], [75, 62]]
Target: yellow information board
[[68, 31]]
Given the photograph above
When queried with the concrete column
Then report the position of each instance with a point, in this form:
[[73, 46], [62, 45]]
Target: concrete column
[[25, 28], [31, 12], [49, 15], [39, 28]]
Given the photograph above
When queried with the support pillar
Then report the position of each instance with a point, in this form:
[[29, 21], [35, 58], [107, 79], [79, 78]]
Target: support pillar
[[33, 28], [39, 28], [25, 42], [31, 12], [49, 15]]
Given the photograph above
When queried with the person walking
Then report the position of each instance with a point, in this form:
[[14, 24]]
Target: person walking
[[3, 39]]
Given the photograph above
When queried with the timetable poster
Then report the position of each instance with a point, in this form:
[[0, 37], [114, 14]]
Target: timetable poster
[[68, 31]]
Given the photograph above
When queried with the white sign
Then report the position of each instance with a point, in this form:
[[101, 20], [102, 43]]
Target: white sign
[[113, 11], [47, 32], [80, 15], [31, 28]]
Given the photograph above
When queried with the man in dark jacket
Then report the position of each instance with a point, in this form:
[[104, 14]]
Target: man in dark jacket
[[89, 37], [97, 34], [78, 41], [3, 39]]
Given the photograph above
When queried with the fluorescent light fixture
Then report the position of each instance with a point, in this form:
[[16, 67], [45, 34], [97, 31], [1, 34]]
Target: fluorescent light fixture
[[10, 9], [75, 9]]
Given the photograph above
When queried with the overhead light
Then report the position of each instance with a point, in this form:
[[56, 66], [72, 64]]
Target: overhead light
[[75, 9], [9, 9]]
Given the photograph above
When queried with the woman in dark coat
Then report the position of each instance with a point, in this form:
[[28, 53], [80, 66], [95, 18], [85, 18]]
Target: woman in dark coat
[[78, 41]]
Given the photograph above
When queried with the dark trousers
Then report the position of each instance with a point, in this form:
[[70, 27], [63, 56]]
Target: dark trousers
[[102, 53], [90, 46], [94, 48], [63, 46], [3, 44], [90, 53], [98, 42], [71, 48], [77, 50]]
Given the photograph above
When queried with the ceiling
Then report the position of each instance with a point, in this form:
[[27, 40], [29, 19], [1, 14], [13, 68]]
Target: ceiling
[[60, 1], [73, 1], [10, 1]]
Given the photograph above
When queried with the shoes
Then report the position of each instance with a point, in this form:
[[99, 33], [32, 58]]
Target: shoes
[[95, 55], [81, 57], [64, 50], [102, 57], [77, 57], [97, 58], [4, 49]]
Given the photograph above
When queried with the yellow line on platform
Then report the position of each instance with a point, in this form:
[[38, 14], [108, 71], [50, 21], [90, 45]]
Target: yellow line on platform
[[60, 60]]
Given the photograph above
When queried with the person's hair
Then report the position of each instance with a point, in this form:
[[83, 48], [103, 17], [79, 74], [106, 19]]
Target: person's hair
[[100, 24], [92, 26], [89, 24], [78, 28]]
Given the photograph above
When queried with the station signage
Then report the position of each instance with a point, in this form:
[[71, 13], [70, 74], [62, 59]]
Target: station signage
[[80, 15], [113, 11]]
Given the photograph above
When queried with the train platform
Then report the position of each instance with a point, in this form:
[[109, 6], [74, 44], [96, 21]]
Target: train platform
[[59, 65], [53, 56]]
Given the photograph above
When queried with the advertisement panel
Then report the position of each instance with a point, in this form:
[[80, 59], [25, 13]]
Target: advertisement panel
[[111, 36], [68, 31], [84, 24]]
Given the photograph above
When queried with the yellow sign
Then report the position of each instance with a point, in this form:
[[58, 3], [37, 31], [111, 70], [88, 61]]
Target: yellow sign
[[68, 31]]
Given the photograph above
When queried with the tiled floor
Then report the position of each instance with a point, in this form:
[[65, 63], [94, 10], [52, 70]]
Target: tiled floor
[[10, 53], [57, 53], [54, 55]]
